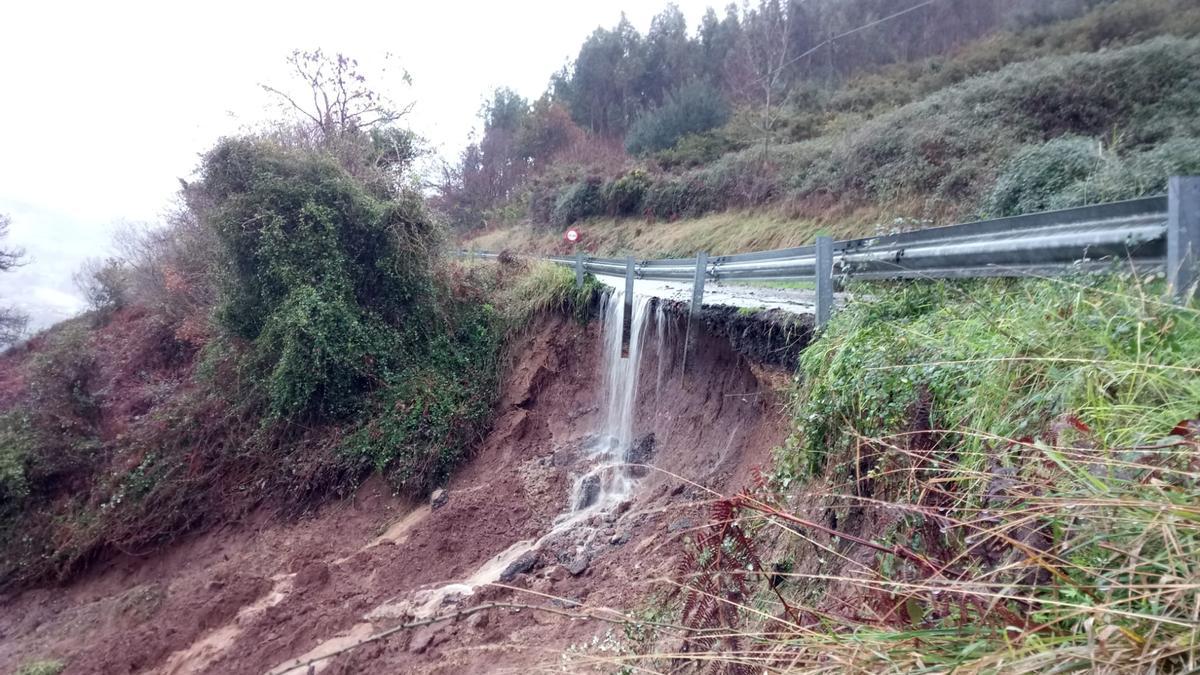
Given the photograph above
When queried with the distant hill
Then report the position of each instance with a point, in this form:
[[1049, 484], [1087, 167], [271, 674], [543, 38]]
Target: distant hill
[[757, 131]]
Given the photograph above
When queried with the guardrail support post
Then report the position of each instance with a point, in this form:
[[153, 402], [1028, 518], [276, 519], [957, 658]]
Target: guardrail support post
[[627, 314], [1183, 236], [578, 269], [693, 325], [824, 274]]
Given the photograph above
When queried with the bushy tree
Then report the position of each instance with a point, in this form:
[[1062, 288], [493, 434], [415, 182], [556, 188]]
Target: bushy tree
[[548, 130], [603, 87], [326, 279], [693, 109], [105, 284]]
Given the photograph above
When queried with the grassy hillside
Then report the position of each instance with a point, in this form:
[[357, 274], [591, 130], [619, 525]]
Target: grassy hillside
[[1092, 109]]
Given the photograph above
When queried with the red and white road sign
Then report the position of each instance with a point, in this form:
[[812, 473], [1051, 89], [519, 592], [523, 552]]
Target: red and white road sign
[[572, 235]]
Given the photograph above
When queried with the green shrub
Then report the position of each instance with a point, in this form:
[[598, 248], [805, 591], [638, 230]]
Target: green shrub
[[668, 198], [1030, 180], [693, 109], [59, 419], [625, 195], [322, 353], [105, 285], [1133, 175], [433, 412], [694, 150], [579, 201], [324, 274], [61, 377]]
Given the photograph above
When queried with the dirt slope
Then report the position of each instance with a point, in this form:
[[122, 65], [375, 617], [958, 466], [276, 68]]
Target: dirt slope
[[256, 595]]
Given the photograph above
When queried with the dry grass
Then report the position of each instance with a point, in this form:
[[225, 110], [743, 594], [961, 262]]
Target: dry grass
[[719, 233]]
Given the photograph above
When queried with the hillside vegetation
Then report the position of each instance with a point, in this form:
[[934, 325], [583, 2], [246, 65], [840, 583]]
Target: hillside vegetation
[[1030, 113], [292, 331]]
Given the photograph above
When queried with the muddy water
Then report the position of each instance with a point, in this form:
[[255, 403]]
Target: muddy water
[[604, 483]]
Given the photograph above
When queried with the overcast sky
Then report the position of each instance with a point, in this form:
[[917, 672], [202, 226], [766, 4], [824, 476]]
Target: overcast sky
[[106, 104]]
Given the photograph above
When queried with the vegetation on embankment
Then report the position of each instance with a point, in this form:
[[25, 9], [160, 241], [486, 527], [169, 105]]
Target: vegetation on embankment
[[1091, 108], [993, 476], [293, 331]]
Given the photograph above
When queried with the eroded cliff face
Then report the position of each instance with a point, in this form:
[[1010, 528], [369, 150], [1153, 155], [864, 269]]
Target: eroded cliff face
[[569, 506]]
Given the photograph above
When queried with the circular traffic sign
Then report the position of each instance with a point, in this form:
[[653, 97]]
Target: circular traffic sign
[[572, 235]]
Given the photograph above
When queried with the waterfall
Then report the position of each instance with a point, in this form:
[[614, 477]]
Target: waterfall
[[621, 374], [607, 482]]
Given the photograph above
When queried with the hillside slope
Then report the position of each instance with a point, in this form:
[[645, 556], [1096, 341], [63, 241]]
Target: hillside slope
[[1096, 108]]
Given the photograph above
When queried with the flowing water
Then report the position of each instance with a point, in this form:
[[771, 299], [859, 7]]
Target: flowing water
[[608, 483]]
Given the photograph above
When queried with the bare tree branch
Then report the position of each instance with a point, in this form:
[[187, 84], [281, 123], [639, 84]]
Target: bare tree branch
[[342, 101]]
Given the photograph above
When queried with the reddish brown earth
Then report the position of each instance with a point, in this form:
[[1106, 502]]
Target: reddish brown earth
[[255, 595]]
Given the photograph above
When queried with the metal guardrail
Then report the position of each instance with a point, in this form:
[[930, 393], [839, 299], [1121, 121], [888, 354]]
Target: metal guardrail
[[1153, 234]]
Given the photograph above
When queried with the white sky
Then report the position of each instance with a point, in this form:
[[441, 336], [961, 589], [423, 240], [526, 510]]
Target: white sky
[[106, 104]]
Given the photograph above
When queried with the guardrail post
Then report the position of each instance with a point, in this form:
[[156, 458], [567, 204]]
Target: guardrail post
[[627, 314], [693, 325], [824, 274], [578, 269], [1183, 236]]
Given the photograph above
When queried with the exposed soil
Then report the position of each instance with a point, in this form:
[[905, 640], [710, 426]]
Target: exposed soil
[[253, 596]]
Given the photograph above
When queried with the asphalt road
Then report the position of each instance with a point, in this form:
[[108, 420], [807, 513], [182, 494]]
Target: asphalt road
[[796, 301]]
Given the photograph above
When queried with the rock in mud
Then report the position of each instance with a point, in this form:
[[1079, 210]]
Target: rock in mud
[[640, 453], [589, 492], [578, 565], [619, 539], [478, 620], [521, 565], [439, 498], [423, 639], [431, 636]]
